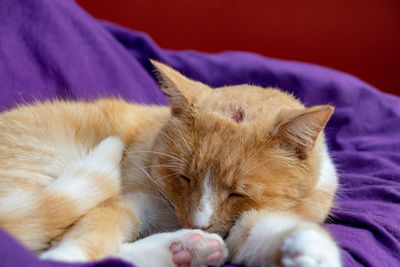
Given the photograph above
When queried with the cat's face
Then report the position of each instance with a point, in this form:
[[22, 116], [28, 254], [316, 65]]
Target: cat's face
[[233, 149]]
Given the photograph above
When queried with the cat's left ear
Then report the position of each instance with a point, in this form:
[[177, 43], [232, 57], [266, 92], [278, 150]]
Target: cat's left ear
[[300, 132], [182, 91]]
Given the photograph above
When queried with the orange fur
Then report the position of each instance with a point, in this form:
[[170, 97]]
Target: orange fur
[[268, 160]]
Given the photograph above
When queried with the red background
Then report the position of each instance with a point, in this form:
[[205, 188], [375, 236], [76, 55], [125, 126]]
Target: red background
[[361, 37]]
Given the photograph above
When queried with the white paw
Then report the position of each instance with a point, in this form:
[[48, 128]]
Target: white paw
[[182, 248], [65, 252], [309, 248]]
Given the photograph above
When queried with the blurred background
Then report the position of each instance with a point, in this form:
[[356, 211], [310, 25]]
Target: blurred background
[[360, 37]]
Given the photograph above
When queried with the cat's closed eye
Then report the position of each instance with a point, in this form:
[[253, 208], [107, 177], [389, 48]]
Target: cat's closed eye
[[235, 195], [186, 179]]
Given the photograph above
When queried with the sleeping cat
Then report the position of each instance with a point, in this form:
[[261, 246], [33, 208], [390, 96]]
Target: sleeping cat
[[241, 168]]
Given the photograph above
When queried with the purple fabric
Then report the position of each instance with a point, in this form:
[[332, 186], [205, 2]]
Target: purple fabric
[[53, 49]]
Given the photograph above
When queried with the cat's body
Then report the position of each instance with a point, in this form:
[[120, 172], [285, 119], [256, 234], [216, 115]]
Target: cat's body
[[79, 179]]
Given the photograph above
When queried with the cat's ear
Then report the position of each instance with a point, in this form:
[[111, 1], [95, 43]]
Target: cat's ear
[[300, 132], [181, 91]]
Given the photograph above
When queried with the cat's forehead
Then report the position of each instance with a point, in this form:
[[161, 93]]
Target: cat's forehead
[[229, 156], [246, 103]]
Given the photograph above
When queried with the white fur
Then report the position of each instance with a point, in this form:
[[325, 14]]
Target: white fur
[[79, 181], [18, 204], [66, 251], [305, 247], [82, 190], [308, 248], [328, 179], [205, 210], [259, 248], [154, 250], [105, 157]]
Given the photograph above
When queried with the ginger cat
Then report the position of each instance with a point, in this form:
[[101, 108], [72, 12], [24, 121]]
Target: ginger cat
[[242, 168]]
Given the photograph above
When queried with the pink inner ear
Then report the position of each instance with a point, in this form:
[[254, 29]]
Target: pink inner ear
[[237, 115]]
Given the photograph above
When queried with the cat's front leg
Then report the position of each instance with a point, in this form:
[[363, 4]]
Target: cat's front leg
[[181, 248], [262, 238]]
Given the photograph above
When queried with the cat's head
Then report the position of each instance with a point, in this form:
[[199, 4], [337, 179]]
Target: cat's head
[[228, 150]]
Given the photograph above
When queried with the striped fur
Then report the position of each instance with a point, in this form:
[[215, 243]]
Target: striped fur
[[80, 180]]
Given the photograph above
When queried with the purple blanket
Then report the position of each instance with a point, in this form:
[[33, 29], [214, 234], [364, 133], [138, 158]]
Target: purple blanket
[[53, 49]]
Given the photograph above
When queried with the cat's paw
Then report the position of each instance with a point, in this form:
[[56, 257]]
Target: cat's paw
[[182, 248], [310, 248], [197, 248], [65, 252]]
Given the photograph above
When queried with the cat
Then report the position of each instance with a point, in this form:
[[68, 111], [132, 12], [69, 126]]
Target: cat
[[238, 173]]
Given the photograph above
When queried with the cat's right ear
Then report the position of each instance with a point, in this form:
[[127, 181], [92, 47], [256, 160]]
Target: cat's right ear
[[181, 91]]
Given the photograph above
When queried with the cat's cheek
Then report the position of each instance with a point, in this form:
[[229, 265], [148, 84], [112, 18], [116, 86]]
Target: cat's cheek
[[183, 211], [233, 209], [177, 190], [224, 218]]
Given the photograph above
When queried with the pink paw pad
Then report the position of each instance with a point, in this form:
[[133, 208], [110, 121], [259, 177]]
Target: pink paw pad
[[196, 248], [180, 256]]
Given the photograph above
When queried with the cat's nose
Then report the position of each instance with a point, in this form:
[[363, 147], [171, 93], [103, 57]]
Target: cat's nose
[[205, 227], [201, 227]]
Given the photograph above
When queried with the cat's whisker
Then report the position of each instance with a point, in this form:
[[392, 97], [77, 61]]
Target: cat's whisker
[[159, 189], [159, 198], [170, 165], [254, 167], [157, 185], [155, 166], [160, 153], [166, 136], [302, 200], [134, 159], [237, 171], [141, 158], [141, 167], [169, 176], [173, 141], [254, 154], [158, 166], [249, 196], [180, 132]]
